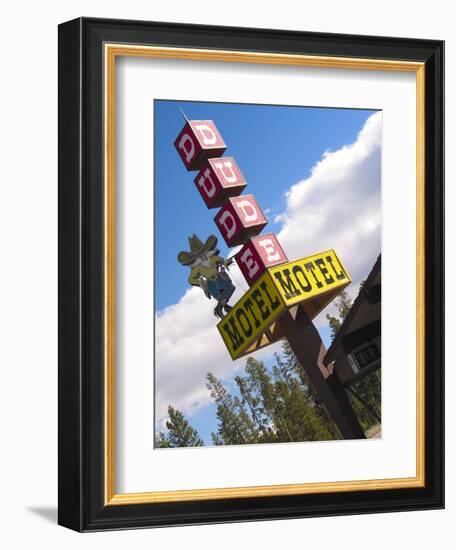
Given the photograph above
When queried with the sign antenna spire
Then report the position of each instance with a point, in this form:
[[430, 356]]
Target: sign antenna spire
[[183, 114]]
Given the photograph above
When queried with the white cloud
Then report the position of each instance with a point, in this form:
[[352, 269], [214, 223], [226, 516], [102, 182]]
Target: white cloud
[[338, 207], [188, 346]]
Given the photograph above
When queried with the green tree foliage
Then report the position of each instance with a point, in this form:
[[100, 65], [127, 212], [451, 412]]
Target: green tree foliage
[[270, 407], [273, 405], [180, 433], [343, 304], [318, 419], [277, 404], [234, 424], [252, 403], [364, 395], [161, 441]]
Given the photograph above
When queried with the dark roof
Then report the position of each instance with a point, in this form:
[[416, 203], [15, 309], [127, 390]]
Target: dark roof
[[344, 328]]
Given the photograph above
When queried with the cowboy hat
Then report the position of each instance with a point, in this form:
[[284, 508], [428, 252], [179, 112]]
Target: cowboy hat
[[197, 249]]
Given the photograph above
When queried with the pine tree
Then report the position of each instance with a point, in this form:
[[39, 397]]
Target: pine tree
[[161, 441], [317, 418], [297, 410], [271, 406], [261, 433], [364, 395], [234, 424], [180, 433], [343, 304], [247, 424]]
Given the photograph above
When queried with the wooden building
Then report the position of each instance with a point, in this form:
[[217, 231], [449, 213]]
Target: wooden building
[[356, 349]]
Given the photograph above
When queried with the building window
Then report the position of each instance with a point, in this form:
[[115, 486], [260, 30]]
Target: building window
[[352, 363], [366, 355]]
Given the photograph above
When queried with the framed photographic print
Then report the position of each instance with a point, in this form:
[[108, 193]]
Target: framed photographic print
[[250, 274]]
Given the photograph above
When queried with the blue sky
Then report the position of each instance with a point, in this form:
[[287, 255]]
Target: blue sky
[[276, 147]]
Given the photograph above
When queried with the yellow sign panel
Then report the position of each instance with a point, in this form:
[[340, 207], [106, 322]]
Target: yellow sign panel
[[309, 277], [313, 281], [251, 315]]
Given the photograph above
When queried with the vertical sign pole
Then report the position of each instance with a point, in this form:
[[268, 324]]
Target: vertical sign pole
[[309, 350]]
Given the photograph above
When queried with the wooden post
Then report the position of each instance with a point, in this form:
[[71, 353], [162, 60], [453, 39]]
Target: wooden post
[[309, 349]]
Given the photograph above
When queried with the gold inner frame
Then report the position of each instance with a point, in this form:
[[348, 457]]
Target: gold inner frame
[[111, 52]]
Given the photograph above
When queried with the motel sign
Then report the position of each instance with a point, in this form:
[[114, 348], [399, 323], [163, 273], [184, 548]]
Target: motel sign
[[284, 296], [312, 282]]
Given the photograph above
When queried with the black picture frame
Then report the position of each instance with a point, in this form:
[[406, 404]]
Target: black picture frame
[[81, 322]]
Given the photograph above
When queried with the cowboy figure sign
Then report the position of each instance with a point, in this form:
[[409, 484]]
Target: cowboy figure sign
[[208, 271]]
